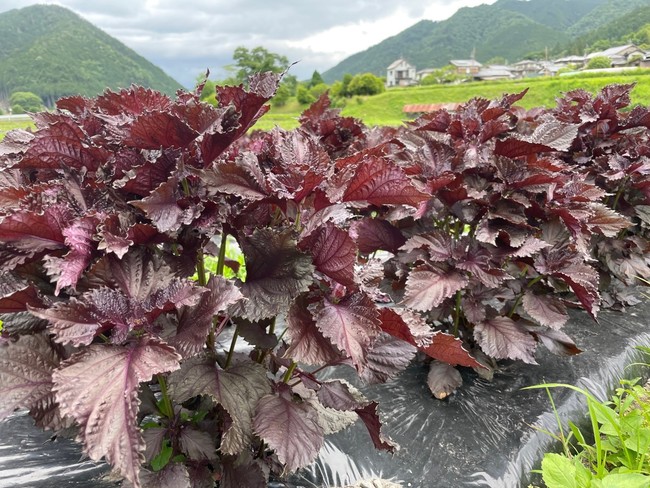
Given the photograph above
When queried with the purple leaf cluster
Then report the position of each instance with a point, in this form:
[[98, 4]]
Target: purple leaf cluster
[[458, 240]]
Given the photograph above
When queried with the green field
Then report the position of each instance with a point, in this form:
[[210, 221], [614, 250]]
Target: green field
[[15, 123], [386, 108]]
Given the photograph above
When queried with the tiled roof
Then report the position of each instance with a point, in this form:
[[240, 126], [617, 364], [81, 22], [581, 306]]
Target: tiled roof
[[429, 107], [466, 63]]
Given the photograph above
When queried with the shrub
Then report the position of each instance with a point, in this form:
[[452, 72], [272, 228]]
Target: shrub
[[22, 102], [365, 84], [599, 62], [304, 96], [464, 236]]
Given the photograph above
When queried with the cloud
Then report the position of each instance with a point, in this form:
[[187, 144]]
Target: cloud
[[186, 37]]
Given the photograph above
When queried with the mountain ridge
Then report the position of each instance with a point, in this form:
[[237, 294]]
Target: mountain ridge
[[510, 29], [51, 51]]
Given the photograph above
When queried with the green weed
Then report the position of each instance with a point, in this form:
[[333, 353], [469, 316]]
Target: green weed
[[618, 456]]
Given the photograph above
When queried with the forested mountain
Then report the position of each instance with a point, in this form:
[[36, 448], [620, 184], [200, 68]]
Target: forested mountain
[[510, 29], [633, 27], [51, 51]]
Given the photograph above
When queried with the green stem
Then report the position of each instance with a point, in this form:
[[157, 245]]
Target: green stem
[[621, 188], [514, 307], [200, 268], [222, 254], [298, 223], [231, 351], [167, 409], [186, 187], [521, 295], [289, 373], [459, 296]]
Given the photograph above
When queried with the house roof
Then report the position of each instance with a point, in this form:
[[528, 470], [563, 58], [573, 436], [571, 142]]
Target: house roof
[[499, 67], [466, 63], [524, 62], [570, 59], [429, 107], [493, 73], [613, 51], [399, 61]]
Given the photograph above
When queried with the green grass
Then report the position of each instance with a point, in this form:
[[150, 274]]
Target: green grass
[[386, 108], [17, 123], [615, 453]]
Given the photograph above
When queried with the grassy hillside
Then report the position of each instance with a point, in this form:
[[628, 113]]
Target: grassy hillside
[[52, 52], [386, 108]]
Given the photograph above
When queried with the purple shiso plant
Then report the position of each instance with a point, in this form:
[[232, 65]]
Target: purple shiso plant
[[458, 240]]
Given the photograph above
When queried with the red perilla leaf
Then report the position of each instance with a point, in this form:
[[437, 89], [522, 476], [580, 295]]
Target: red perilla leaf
[[98, 387], [237, 389], [387, 357], [426, 288], [334, 253], [449, 349], [545, 309], [406, 325], [194, 321], [351, 324], [289, 427], [443, 379], [503, 338], [307, 342], [375, 234], [379, 182], [26, 379], [276, 273]]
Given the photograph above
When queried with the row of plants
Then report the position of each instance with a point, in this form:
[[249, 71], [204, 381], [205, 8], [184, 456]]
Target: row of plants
[[458, 241], [613, 451]]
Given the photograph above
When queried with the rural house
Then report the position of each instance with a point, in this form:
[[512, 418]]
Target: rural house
[[620, 55], [466, 67], [400, 73], [495, 72], [526, 68]]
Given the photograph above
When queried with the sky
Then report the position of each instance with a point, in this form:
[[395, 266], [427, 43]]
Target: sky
[[186, 37]]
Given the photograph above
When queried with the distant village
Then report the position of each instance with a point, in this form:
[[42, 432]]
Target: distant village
[[403, 73]]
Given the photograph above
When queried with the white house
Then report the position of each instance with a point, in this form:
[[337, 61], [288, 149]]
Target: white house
[[401, 73]]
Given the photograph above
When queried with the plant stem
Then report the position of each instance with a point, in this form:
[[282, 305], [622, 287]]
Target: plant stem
[[517, 302], [186, 187], [459, 296], [222, 254], [621, 188], [289, 373], [203, 281], [200, 268], [167, 409], [232, 347]]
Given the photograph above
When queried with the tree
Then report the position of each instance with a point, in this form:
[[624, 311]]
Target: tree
[[340, 89], [446, 74], [256, 60], [599, 62], [317, 90], [304, 96], [22, 102], [282, 95], [316, 79], [366, 84]]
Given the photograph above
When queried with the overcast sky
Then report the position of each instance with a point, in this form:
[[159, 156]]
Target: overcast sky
[[184, 37]]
